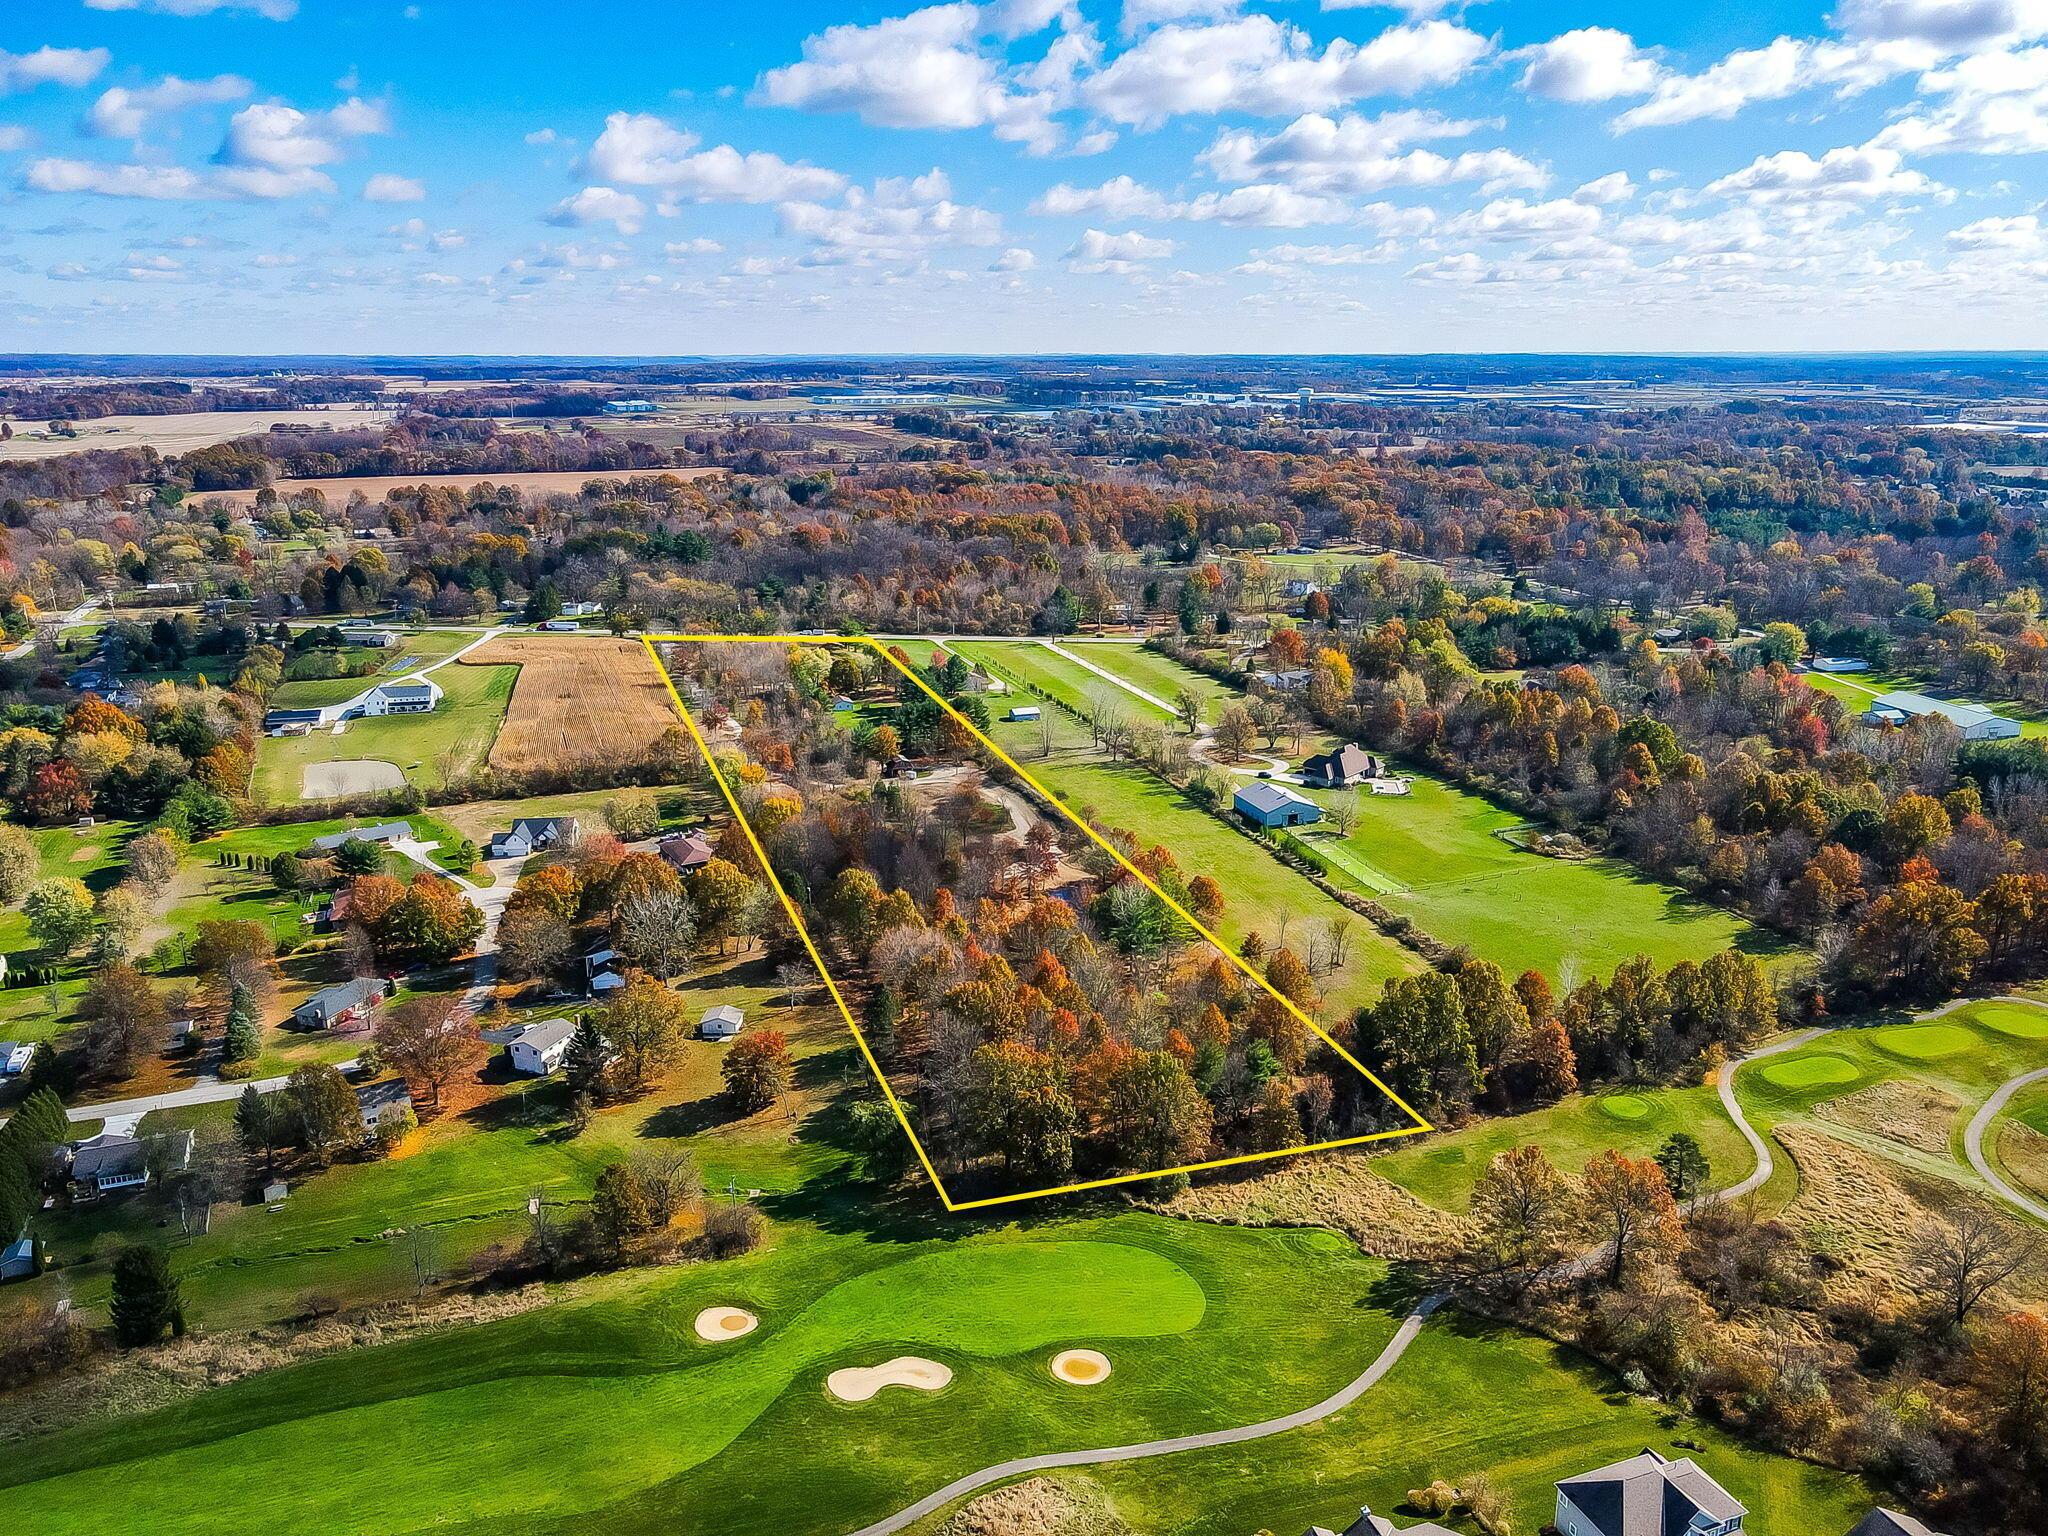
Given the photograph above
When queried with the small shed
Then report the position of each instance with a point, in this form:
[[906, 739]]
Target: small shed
[[275, 1191], [18, 1259], [722, 1022], [1025, 712]]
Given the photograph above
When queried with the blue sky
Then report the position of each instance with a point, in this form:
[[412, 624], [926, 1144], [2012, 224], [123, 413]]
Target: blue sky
[[1021, 175]]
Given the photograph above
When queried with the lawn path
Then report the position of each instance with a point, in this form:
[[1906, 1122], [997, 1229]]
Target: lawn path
[[1973, 1142], [1020, 1466]]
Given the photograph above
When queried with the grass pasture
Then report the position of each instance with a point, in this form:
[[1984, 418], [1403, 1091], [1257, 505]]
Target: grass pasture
[[579, 699], [1437, 855], [1037, 667], [429, 750], [1160, 676]]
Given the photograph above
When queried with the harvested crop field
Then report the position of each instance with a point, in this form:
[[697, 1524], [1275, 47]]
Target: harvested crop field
[[538, 482], [579, 699]]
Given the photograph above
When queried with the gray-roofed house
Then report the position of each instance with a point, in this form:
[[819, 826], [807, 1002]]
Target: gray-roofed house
[[538, 1049], [1889, 1522], [1349, 764], [1646, 1495], [343, 1004], [383, 832], [386, 1096], [1275, 805], [415, 697], [110, 1162], [535, 834]]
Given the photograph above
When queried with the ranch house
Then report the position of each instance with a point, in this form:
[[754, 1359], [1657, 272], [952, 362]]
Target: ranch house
[[1275, 805], [383, 832], [338, 1007], [534, 834]]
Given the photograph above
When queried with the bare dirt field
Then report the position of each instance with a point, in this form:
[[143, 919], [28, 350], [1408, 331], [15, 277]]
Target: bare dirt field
[[350, 776], [337, 488], [178, 434], [579, 699]]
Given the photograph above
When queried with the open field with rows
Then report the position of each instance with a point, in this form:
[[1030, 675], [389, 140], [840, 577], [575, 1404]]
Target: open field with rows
[[579, 699]]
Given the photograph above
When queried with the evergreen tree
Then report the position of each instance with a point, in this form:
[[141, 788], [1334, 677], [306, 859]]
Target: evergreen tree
[[1685, 1165], [256, 1126], [584, 1060], [146, 1299], [244, 1042]]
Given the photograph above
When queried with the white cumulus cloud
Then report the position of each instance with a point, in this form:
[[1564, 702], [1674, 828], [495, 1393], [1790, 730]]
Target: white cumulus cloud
[[124, 113], [637, 149], [601, 205], [1588, 64], [51, 66]]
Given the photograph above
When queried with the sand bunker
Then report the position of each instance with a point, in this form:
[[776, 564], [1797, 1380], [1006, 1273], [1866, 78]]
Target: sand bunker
[[717, 1324], [1081, 1367], [856, 1384], [348, 776]]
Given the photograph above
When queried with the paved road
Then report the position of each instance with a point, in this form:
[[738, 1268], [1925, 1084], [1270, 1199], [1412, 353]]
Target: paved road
[[1973, 1142], [53, 625], [1022, 1466]]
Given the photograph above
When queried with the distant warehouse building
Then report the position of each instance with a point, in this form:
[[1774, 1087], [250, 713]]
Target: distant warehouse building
[[1976, 721]]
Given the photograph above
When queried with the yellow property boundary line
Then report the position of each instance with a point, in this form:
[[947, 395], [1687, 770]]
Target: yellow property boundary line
[[810, 945]]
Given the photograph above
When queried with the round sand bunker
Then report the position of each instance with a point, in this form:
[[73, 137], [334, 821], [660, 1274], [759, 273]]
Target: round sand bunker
[[856, 1384], [717, 1324], [1081, 1367]]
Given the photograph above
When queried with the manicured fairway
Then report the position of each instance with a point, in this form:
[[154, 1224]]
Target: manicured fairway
[[2021, 1023], [1436, 855], [1464, 1399], [428, 748], [1962, 1057], [648, 1429], [1442, 1169]]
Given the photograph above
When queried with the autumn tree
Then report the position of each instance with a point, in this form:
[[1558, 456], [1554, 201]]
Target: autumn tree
[[1154, 1115], [1525, 1216], [125, 1020], [757, 1069], [1631, 1212], [1020, 1106], [723, 896], [430, 1039], [324, 1110], [645, 1026], [658, 930]]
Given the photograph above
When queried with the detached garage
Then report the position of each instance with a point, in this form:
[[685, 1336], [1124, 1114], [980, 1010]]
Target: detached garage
[[1275, 805]]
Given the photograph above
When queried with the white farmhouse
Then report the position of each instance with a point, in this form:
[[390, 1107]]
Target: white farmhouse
[[539, 1048]]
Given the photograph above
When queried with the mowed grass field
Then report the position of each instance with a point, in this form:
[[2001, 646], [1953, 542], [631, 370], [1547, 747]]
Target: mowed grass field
[[428, 749], [1037, 666], [646, 1429], [1160, 676], [1440, 1170], [1436, 855], [1260, 893], [410, 654], [579, 699]]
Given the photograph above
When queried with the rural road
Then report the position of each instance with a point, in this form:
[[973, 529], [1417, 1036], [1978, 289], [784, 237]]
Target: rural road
[[1342, 1398], [1973, 1142]]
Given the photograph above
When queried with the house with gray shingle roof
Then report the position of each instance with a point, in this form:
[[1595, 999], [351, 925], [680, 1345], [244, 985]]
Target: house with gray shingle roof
[[1646, 1495]]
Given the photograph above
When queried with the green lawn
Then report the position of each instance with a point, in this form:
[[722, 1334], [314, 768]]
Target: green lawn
[[1260, 892], [94, 857], [429, 749], [1436, 855], [1022, 661], [1466, 1398], [1160, 676], [1206, 1326], [467, 1176], [1441, 1170]]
